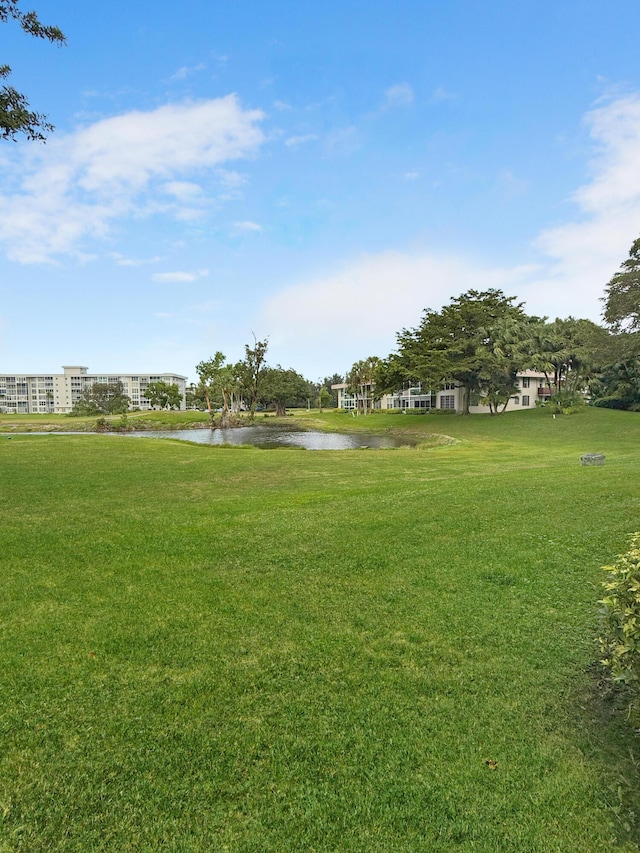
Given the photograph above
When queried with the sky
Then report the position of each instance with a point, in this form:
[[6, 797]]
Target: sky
[[314, 173]]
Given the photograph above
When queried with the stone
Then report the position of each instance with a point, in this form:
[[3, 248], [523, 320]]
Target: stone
[[592, 459]]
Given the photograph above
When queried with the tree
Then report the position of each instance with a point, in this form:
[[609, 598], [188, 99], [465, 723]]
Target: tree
[[102, 398], [506, 349], [15, 115], [570, 352], [217, 379], [194, 397], [323, 397], [622, 294], [458, 343], [361, 382], [252, 370], [163, 394], [328, 381], [618, 386], [283, 388]]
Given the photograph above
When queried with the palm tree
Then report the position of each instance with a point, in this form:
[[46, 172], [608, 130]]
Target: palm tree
[[360, 381]]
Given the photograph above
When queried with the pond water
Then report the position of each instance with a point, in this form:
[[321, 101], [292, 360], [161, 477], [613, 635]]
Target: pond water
[[278, 436], [262, 436]]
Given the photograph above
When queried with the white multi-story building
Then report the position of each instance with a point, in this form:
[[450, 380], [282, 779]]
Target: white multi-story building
[[531, 387], [57, 392]]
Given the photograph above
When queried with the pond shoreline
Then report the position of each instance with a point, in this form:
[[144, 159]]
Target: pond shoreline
[[199, 429], [259, 436]]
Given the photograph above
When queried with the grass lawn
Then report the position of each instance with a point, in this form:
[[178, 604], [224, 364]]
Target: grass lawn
[[217, 649], [134, 420]]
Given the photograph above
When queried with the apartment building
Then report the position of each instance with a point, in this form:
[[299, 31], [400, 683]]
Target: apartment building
[[531, 387], [57, 392]]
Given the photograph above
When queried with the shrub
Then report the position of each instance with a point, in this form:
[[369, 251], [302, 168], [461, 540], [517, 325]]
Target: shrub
[[566, 403], [614, 403], [620, 641]]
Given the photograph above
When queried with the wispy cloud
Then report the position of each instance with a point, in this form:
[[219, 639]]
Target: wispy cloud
[[79, 184], [187, 71], [400, 95], [389, 290], [386, 292], [178, 276], [247, 225], [294, 141], [411, 176], [183, 190], [121, 261], [588, 249], [343, 140], [440, 95], [511, 184]]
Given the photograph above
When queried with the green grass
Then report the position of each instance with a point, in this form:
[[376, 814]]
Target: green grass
[[213, 649], [65, 423]]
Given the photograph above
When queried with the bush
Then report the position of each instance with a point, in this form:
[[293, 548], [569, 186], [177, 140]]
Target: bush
[[566, 403], [620, 641], [614, 403]]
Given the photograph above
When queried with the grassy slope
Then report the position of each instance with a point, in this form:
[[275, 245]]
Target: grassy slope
[[216, 649]]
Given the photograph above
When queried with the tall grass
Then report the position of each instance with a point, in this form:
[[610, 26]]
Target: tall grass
[[217, 649]]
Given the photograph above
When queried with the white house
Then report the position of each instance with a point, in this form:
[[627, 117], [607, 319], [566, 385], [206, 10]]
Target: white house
[[532, 386]]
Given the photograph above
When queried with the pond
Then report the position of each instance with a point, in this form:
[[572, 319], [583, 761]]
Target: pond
[[278, 436]]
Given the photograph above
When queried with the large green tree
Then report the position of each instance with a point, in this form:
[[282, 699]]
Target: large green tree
[[16, 117], [570, 352], [323, 397], [618, 386], [163, 394], [102, 398], [282, 388], [327, 382], [361, 381], [459, 344], [622, 294], [252, 370], [217, 381]]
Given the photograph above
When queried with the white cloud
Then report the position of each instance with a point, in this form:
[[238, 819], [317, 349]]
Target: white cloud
[[133, 262], [293, 141], [585, 252], [512, 185], [79, 184], [411, 176], [231, 179], [247, 225], [183, 189], [366, 302], [440, 95], [371, 298], [179, 276], [400, 95], [281, 106], [343, 140], [187, 71]]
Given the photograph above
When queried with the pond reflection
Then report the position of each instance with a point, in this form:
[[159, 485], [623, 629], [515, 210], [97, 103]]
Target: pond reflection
[[278, 436]]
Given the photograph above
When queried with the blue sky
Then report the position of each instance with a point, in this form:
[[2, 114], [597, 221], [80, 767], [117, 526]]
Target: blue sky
[[317, 173]]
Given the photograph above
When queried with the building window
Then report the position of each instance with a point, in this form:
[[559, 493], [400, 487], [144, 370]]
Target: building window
[[516, 401], [525, 400], [447, 401]]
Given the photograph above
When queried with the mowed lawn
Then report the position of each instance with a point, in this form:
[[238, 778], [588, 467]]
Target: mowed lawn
[[216, 649]]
